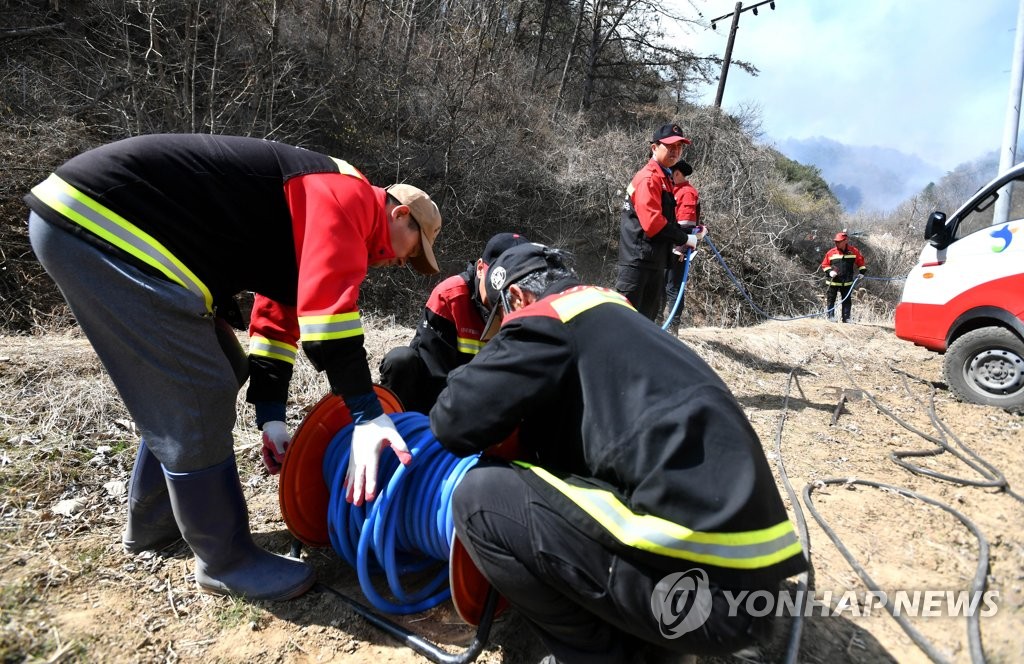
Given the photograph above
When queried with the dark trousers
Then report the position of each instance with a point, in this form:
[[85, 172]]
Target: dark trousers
[[403, 372], [673, 282], [157, 341], [643, 287], [586, 603], [844, 293]]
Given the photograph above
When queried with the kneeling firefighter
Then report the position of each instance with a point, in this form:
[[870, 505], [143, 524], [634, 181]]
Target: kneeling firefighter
[[636, 477]]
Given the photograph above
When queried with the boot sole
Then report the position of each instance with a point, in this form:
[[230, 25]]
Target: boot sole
[[291, 594]]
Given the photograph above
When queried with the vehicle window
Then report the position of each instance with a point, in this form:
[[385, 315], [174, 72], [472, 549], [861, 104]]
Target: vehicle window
[[979, 219]]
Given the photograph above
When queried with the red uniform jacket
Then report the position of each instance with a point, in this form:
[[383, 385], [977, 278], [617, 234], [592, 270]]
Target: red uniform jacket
[[453, 322], [687, 204], [845, 263], [648, 229]]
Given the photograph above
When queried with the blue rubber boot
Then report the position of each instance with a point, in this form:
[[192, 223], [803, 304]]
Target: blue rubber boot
[[151, 525], [214, 520]]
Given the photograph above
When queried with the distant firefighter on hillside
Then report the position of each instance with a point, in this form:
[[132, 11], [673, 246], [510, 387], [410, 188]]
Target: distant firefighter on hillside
[[842, 264]]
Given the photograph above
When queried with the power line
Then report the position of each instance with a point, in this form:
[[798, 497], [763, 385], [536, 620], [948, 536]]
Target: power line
[[732, 37]]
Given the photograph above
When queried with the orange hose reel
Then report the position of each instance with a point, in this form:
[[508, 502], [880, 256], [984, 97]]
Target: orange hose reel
[[304, 497], [302, 492]]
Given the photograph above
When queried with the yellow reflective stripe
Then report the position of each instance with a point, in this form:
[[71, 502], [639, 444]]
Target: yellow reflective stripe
[[752, 549], [118, 231], [276, 350], [346, 168], [569, 306], [332, 326], [469, 346]]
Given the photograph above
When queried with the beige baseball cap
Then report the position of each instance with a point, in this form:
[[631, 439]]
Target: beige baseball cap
[[426, 214]]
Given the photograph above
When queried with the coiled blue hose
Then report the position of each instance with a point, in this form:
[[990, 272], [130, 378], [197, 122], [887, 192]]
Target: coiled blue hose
[[409, 527]]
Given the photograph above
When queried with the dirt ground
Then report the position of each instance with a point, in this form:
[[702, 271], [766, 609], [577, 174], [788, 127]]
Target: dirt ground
[[69, 593]]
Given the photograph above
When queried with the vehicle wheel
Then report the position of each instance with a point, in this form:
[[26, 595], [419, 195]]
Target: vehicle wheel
[[986, 366]]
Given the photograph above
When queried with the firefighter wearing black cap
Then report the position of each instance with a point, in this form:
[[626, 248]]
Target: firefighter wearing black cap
[[146, 238], [648, 229], [630, 478], [448, 335]]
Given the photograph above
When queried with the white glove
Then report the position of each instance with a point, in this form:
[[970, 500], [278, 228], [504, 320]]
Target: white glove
[[368, 439], [275, 443], [833, 273], [696, 235]]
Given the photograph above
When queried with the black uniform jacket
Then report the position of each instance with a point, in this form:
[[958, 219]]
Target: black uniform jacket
[[292, 225], [633, 434]]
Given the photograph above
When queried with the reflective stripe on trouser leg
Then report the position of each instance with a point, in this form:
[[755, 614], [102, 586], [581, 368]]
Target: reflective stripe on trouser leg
[[588, 603], [158, 343]]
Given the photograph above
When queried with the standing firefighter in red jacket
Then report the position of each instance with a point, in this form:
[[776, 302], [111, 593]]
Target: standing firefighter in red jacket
[[448, 336], [636, 477], [842, 264], [648, 229], [687, 216], [145, 238]]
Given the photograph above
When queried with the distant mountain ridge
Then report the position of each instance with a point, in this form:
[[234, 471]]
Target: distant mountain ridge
[[864, 178]]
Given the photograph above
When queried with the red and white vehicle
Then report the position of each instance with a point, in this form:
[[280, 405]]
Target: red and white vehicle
[[965, 297]]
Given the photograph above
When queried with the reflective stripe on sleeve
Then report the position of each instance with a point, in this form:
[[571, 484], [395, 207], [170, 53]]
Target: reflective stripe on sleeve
[[118, 231], [752, 549], [275, 350], [346, 168], [470, 346], [573, 304], [332, 326]]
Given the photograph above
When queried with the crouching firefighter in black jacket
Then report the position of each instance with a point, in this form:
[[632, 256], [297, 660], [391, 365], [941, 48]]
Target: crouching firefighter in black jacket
[[638, 486]]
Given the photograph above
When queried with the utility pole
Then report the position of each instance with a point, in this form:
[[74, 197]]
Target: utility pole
[[732, 38], [1007, 156]]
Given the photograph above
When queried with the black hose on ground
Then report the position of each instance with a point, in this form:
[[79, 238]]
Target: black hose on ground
[[994, 478], [805, 581], [977, 586]]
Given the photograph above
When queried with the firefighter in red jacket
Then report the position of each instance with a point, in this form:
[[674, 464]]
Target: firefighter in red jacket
[[146, 238], [648, 230], [842, 264], [687, 216], [448, 335], [642, 469]]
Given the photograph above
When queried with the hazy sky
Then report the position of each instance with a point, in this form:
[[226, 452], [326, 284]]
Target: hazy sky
[[926, 77]]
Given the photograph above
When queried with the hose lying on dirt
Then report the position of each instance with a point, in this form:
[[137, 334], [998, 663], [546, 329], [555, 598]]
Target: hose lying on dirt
[[977, 586], [993, 476], [804, 581], [993, 479]]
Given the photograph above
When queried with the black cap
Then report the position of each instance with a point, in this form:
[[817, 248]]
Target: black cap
[[683, 167], [670, 133], [510, 267], [500, 243]]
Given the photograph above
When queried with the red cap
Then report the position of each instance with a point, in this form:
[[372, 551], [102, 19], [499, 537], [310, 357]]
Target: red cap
[[841, 236]]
